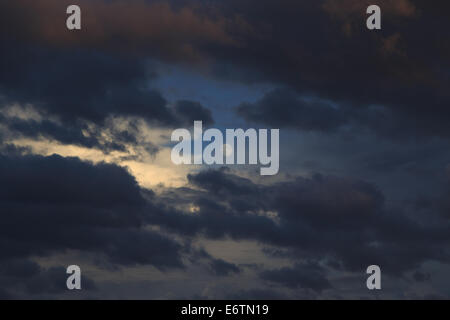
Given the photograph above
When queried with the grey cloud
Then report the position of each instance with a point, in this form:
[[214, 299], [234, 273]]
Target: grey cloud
[[53, 204], [25, 279], [319, 217], [223, 268], [304, 276]]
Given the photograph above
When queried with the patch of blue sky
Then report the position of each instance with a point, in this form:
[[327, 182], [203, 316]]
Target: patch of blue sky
[[220, 96]]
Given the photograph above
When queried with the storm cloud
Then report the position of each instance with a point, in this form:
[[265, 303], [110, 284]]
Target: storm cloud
[[54, 204], [364, 164]]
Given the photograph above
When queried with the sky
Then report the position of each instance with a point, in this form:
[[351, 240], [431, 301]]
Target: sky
[[86, 176]]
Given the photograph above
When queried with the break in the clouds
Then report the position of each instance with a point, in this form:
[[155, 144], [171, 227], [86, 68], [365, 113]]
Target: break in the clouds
[[364, 129], [82, 90]]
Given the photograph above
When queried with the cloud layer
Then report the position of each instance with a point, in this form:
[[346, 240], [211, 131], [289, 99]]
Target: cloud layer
[[364, 173]]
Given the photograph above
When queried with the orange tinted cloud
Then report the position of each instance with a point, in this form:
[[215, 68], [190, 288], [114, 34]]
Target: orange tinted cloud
[[343, 9], [157, 28], [352, 12]]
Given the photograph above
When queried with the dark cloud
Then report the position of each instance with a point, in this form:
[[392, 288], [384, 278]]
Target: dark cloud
[[323, 218], [346, 64], [190, 111], [304, 276], [222, 268], [219, 182], [171, 31], [348, 10], [257, 294], [51, 130], [78, 83], [319, 218], [283, 108], [421, 277], [4, 295], [87, 85], [36, 179], [24, 279], [19, 268], [335, 76], [78, 133], [83, 87], [53, 204], [53, 281], [369, 75]]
